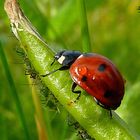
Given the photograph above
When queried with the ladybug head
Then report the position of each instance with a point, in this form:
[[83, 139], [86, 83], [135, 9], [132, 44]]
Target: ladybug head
[[66, 58]]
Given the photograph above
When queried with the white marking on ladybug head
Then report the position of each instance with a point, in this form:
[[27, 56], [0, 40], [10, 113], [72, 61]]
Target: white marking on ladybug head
[[61, 59]]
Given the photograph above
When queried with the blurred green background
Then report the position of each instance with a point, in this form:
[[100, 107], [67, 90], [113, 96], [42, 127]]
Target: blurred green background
[[114, 28]]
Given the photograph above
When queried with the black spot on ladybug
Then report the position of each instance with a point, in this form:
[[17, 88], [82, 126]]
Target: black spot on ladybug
[[84, 78], [101, 67], [107, 94]]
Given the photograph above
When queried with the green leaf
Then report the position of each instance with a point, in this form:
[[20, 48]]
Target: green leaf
[[130, 105], [14, 92], [62, 19]]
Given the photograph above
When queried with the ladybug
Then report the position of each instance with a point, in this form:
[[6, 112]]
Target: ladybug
[[94, 73]]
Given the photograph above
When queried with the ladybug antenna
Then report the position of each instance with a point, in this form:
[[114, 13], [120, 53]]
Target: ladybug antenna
[[49, 73]]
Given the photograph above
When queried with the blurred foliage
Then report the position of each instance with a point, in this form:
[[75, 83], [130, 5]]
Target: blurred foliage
[[114, 28]]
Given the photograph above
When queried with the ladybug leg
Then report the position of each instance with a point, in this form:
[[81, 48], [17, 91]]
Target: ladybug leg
[[98, 103], [77, 91], [61, 68], [110, 113]]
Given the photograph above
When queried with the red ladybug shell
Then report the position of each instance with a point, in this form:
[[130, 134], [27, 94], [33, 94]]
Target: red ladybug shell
[[99, 77]]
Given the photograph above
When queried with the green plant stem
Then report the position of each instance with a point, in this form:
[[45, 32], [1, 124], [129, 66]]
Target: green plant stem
[[94, 119], [14, 92], [84, 26]]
